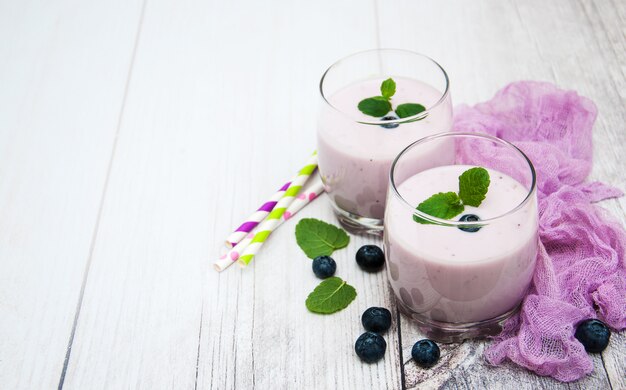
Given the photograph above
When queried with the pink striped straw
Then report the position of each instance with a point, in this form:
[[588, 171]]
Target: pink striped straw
[[253, 220], [307, 195]]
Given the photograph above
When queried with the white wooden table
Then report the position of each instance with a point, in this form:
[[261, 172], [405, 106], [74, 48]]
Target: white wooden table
[[134, 134]]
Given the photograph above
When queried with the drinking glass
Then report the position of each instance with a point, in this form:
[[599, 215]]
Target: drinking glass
[[461, 278], [356, 150]]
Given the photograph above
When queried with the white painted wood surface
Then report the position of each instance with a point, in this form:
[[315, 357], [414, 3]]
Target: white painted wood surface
[[63, 71], [135, 135], [568, 43]]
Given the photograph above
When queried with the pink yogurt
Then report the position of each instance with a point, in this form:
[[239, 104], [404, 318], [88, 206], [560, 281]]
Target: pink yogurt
[[444, 274], [355, 158]]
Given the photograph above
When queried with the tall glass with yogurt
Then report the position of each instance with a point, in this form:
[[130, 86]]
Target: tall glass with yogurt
[[461, 278], [356, 150]]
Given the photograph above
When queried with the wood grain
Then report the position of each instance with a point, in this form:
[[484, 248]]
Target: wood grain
[[560, 41], [135, 135], [139, 325], [462, 366], [63, 70], [154, 313], [276, 342]]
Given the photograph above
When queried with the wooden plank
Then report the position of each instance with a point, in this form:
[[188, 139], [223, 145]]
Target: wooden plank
[[221, 109], [488, 44], [280, 344], [276, 342], [63, 69], [462, 366], [614, 361], [141, 310], [288, 347], [598, 73]]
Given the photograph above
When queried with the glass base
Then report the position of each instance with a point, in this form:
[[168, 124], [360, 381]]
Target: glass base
[[356, 224], [449, 332]]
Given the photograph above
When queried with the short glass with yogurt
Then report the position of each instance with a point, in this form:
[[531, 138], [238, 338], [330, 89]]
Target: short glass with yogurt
[[457, 279], [356, 150]]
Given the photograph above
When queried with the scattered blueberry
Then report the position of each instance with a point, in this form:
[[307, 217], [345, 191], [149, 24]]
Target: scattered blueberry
[[593, 334], [390, 125], [376, 319], [370, 258], [425, 353], [324, 267], [469, 218], [370, 347]]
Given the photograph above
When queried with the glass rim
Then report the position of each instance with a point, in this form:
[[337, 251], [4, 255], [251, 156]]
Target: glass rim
[[446, 222], [412, 118]]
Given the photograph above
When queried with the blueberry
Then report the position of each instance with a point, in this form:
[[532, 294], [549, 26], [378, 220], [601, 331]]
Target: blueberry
[[390, 125], [425, 353], [593, 334], [370, 258], [324, 267], [376, 319], [469, 218], [370, 347]]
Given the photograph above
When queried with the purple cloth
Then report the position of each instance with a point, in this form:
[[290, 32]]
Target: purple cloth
[[581, 269]]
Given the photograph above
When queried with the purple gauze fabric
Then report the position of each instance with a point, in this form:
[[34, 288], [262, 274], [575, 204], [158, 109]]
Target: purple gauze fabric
[[581, 269]]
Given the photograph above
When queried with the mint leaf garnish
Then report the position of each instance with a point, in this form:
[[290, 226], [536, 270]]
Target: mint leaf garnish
[[473, 186], [331, 295], [375, 106], [379, 106], [318, 238], [388, 88], [409, 109], [444, 205]]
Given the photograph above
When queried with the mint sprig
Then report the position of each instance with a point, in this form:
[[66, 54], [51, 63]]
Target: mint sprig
[[388, 88], [379, 106], [375, 106], [409, 109], [331, 295], [318, 238], [444, 205], [473, 188]]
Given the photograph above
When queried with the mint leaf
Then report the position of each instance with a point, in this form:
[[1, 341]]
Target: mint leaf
[[443, 205], [388, 89], [331, 295], [318, 238], [473, 186], [379, 106], [409, 109], [376, 106]]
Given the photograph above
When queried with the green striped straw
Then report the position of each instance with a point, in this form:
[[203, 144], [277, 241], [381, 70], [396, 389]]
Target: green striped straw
[[274, 218]]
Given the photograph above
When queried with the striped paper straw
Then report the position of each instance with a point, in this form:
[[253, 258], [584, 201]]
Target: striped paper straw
[[253, 220], [232, 256], [273, 219], [307, 196]]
